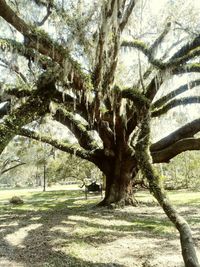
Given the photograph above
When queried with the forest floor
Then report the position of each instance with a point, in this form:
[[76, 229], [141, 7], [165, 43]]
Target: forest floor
[[61, 229]]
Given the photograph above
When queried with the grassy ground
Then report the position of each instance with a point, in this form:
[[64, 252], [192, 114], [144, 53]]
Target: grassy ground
[[61, 229]]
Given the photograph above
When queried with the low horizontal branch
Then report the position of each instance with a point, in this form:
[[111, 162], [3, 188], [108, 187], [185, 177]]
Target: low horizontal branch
[[173, 150], [69, 148], [12, 167], [175, 103], [186, 131], [174, 93], [138, 99], [146, 51]]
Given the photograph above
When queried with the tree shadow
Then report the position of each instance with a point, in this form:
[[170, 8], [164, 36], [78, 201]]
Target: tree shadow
[[43, 234]]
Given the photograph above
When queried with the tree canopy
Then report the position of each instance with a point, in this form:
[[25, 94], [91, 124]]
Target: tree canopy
[[107, 71]]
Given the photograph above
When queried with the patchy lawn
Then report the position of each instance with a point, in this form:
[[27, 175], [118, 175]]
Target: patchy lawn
[[61, 229]]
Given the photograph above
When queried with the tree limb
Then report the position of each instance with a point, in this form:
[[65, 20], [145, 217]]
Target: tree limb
[[11, 168], [35, 106], [187, 48], [76, 127], [155, 186], [175, 93], [71, 149], [164, 155], [175, 103], [140, 45], [49, 6], [186, 131], [127, 14], [42, 42], [160, 38]]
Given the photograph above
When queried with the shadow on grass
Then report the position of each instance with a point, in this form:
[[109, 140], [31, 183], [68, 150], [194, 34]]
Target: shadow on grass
[[41, 233]]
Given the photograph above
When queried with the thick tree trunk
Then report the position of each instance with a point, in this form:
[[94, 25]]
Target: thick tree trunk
[[119, 189]]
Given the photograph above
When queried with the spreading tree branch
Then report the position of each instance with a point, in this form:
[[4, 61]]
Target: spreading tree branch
[[141, 46], [49, 11], [43, 43], [175, 103], [35, 106], [183, 88], [164, 155], [127, 14], [11, 168], [186, 131], [76, 127], [187, 48], [160, 38], [193, 67], [155, 186], [69, 148]]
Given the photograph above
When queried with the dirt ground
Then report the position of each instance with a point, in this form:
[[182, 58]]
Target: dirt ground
[[79, 235]]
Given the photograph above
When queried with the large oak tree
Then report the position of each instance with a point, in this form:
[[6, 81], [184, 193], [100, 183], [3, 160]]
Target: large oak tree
[[74, 63]]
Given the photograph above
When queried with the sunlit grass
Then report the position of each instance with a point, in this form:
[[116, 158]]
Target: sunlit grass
[[185, 198], [181, 197], [67, 226]]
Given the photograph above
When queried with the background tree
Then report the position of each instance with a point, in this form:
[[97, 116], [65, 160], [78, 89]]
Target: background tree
[[74, 67], [31, 155]]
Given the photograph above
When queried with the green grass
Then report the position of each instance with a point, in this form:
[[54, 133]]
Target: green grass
[[185, 198], [61, 226], [181, 197]]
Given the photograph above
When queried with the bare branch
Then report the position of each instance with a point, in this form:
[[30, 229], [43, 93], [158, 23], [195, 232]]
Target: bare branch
[[160, 38], [175, 103], [173, 150], [127, 14], [49, 11], [146, 51], [69, 148], [11, 168], [163, 100], [186, 131], [78, 129]]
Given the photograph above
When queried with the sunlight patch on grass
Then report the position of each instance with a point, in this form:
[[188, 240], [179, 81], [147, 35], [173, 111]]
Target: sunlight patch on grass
[[17, 237], [185, 198]]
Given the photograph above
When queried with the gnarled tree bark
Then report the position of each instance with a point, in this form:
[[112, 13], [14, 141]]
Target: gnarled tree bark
[[144, 161]]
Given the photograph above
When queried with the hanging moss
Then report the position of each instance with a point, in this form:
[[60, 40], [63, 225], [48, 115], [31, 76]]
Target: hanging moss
[[139, 99]]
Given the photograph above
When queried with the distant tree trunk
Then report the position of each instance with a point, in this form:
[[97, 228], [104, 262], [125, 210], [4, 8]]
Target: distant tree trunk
[[44, 178]]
